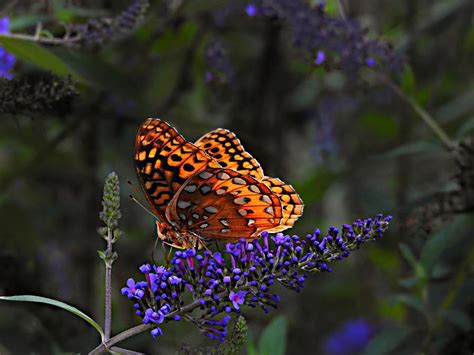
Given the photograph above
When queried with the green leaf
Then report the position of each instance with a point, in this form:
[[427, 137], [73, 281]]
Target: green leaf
[[96, 71], [438, 242], [21, 22], [410, 300], [173, 41], [251, 349], [408, 254], [418, 270], [37, 55], [411, 148], [273, 338], [465, 128], [408, 83], [387, 341], [56, 303], [381, 124], [458, 318]]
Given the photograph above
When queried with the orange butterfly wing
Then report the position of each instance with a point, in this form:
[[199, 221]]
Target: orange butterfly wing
[[291, 202], [224, 146], [225, 205], [164, 160]]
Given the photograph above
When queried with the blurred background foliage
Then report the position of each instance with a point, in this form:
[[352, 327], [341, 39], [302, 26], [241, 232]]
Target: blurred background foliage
[[351, 144]]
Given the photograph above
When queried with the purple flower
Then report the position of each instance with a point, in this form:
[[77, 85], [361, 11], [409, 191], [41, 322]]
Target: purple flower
[[237, 298], [134, 290], [7, 60], [174, 280], [320, 58], [251, 10], [154, 317], [156, 332], [371, 62], [351, 338], [145, 268]]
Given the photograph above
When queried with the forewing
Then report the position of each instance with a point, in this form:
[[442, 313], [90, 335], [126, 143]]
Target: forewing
[[223, 204], [225, 147], [291, 203], [164, 160]]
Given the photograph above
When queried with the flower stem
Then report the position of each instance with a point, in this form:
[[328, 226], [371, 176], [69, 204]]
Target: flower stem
[[420, 111], [137, 330], [340, 6], [108, 289]]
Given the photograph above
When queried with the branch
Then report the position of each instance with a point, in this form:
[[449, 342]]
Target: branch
[[138, 329], [420, 111]]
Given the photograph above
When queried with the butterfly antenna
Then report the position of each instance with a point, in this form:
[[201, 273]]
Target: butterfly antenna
[[153, 251], [143, 206]]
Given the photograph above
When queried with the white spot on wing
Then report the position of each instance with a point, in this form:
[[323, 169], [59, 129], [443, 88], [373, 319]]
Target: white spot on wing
[[204, 225], [205, 175], [205, 189], [210, 209], [241, 200], [250, 222], [223, 176], [220, 191], [190, 188], [255, 188], [269, 210], [184, 204], [242, 212], [239, 181], [266, 199], [224, 221]]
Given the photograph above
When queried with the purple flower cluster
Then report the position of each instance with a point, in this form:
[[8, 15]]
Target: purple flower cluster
[[219, 67], [7, 60], [328, 40], [243, 274], [351, 338]]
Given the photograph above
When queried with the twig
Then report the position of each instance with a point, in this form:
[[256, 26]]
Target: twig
[[420, 111], [138, 329], [108, 288], [116, 349], [340, 6], [41, 39]]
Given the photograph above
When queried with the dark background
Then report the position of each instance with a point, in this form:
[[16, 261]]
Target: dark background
[[348, 143]]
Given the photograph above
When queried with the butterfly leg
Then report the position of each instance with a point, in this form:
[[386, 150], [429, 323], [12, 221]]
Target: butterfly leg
[[201, 244]]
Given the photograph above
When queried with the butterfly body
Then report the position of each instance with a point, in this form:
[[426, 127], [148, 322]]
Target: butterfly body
[[210, 190]]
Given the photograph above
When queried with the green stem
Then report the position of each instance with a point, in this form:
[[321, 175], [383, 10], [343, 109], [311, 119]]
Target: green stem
[[420, 111], [108, 288], [448, 300]]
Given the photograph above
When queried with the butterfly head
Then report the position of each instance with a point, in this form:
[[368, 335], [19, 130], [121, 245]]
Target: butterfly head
[[172, 236]]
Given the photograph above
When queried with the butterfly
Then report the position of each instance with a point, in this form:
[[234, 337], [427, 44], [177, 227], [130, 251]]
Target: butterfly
[[210, 190]]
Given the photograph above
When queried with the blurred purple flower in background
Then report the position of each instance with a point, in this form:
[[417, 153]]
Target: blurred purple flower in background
[[7, 60], [350, 339], [251, 10], [330, 40], [219, 67]]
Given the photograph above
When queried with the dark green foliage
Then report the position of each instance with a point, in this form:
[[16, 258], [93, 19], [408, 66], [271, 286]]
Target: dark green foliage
[[37, 93], [232, 345]]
